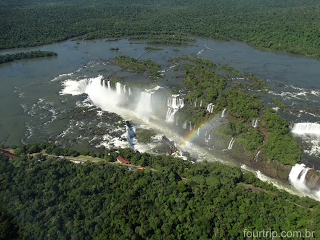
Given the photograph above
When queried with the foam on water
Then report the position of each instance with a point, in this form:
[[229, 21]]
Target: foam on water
[[61, 76], [200, 52]]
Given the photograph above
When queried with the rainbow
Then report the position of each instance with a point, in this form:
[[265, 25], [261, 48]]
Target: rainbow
[[193, 133]]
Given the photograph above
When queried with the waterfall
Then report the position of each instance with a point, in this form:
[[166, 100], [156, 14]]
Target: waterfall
[[118, 87], [130, 91], [177, 120], [230, 144], [223, 113], [190, 128], [257, 156], [254, 123], [198, 131], [124, 89], [195, 102], [144, 107], [184, 126], [170, 114], [102, 96], [297, 178], [201, 103], [306, 128], [174, 104], [210, 107]]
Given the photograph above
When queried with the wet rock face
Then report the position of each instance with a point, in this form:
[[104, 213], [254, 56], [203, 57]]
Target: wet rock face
[[270, 168], [261, 163], [313, 179]]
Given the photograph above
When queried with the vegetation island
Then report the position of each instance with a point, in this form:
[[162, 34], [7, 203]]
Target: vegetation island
[[26, 55]]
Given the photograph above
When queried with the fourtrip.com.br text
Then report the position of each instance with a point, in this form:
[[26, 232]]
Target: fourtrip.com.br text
[[275, 234]]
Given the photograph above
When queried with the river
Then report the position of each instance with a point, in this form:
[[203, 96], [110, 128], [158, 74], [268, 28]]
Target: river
[[35, 108]]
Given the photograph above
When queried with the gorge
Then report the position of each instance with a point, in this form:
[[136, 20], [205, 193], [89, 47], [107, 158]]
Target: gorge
[[154, 106], [144, 105]]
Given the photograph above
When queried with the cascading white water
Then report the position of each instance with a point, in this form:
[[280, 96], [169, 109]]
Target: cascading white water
[[184, 126], [310, 133], [223, 113], [306, 128], [297, 178], [144, 107], [177, 119], [170, 114], [255, 123], [257, 156], [210, 107], [130, 91], [230, 144], [174, 104], [74, 87], [198, 133], [98, 91], [118, 87], [190, 128], [124, 89], [95, 88], [195, 102], [201, 103]]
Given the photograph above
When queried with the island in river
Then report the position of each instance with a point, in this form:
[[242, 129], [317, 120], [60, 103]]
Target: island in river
[[192, 92]]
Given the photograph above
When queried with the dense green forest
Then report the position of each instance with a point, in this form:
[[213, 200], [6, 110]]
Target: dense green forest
[[26, 55], [286, 26], [9, 229], [57, 199]]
